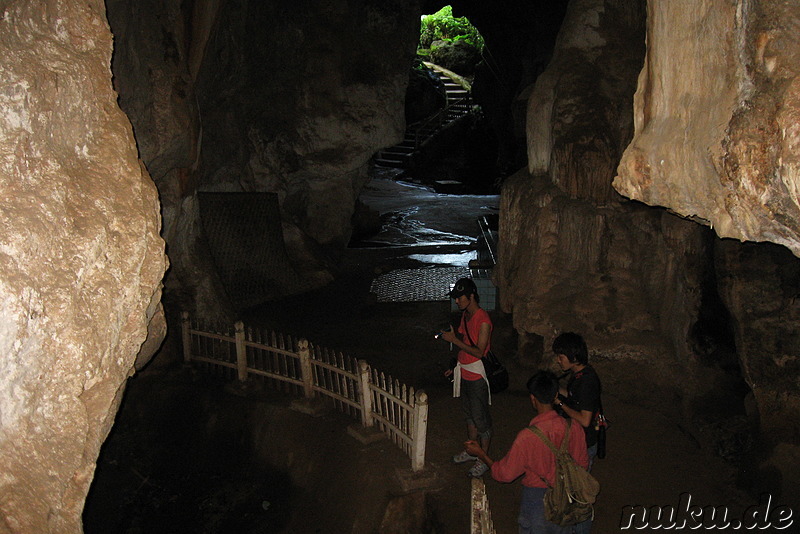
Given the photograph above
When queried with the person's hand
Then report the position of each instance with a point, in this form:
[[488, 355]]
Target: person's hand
[[472, 447], [449, 336], [449, 372]]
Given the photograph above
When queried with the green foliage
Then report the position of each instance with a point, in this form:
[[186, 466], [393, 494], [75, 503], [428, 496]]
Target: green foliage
[[443, 26]]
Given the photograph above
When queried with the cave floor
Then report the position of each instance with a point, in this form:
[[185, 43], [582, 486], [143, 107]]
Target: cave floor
[[651, 459]]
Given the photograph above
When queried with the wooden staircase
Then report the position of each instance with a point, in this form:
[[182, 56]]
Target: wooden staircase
[[458, 102]]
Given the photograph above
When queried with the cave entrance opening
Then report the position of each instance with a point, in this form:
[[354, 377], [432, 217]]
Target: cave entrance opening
[[448, 143]]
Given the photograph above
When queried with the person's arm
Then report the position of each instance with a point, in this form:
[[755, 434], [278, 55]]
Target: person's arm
[[508, 468], [583, 417], [585, 393], [474, 449], [478, 350]]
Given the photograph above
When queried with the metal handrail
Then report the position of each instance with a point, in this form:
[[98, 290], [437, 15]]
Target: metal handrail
[[438, 120], [488, 237]]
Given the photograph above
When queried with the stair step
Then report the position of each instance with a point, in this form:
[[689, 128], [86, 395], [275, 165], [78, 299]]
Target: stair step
[[458, 104], [389, 163], [399, 151], [394, 157], [448, 186], [395, 152]]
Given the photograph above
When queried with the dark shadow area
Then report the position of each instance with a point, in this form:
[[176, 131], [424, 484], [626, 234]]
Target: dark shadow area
[[177, 461]]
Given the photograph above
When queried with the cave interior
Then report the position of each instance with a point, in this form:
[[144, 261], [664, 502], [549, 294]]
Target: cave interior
[[263, 121]]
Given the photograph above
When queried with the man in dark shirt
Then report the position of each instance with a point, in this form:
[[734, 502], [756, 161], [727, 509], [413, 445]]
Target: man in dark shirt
[[580, 400]]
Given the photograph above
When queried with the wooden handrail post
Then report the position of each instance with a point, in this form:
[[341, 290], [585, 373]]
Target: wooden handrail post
[[186, 336], [365, 393], [419, 431], [241, 351], [306, 369]]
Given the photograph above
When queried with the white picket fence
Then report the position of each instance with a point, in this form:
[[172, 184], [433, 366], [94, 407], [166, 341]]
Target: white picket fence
[[481, 518], [297, 366]]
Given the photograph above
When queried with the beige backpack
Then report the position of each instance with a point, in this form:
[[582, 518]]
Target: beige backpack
[[569, 501]]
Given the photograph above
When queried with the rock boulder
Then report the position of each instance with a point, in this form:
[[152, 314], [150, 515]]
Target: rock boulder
[[81, 260]]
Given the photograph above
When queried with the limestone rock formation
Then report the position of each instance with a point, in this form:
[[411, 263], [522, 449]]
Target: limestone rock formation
[[301, 112], [760, 285], [81, 261], [626, 277], [569, 247], [637, 282], [457, 56], [579, 118], [717, 106], [717, 140]]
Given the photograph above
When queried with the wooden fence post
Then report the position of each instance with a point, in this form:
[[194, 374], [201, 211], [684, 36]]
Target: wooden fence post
[[365, 393], [241, 351], [419, 431], [187, 337], [306, 369], [481, 516]]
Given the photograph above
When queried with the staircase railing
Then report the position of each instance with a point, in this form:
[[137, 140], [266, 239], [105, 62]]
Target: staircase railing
[[439, 120], [419, 132]]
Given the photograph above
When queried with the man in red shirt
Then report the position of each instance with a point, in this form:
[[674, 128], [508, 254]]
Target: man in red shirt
[[473, 340], [530, 458]]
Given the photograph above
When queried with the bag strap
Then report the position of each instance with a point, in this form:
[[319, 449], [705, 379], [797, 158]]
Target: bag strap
[[466, 328], [464, 321], [564, 442], [546, 441]]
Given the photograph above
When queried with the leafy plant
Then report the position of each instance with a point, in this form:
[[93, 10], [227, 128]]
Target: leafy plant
[[443, 26]]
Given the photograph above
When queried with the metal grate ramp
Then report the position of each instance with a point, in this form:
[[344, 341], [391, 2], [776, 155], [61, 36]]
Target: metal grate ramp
[[244, 235], [417, 285]]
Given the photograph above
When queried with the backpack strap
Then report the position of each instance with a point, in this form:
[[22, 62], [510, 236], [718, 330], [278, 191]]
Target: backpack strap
[[546, 441], [564, 442]]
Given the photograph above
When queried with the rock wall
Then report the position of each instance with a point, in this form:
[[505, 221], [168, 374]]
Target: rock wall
[[760, 285], [717, 107], [573, 254], [262, 96], [81, 260], [625, 276], [519, 37], [717, 118]]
